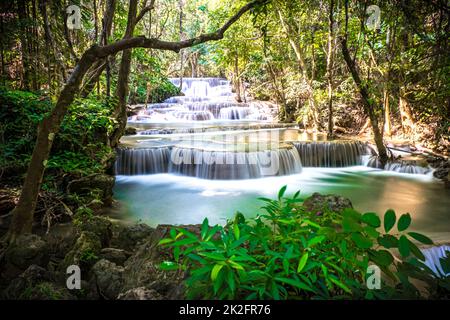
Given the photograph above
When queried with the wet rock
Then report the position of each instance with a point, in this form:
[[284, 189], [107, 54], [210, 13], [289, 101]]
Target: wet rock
[[442, 172], [130, 235], [84, 186], [95, 205], [130, 131], [107, 277], [27, 250], [330, 202], [117, 256], [141, 293]]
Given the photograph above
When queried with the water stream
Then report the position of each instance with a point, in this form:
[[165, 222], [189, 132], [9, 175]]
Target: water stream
[[205, 155]]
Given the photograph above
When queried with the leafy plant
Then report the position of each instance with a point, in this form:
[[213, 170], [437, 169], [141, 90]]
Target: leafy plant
[[290, 253]]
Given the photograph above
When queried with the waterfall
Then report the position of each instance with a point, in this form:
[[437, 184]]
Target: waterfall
[[193, 115], [204, 99], [398, 166], [234, 113], [433, 256], [142, 161], [331, 154], [225, 165]]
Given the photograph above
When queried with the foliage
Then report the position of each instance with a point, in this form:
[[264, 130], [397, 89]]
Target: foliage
[[289, 253], [148, 82], [79, 147]]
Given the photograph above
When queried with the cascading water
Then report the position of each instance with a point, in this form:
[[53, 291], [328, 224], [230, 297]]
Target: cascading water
[[205, 99], [399, 166], [331, 154], [142, 161]]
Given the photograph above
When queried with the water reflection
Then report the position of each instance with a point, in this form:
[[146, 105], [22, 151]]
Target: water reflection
[[166, 198]]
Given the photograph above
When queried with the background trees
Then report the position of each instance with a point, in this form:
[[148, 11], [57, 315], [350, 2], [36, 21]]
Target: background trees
[[327, 69]]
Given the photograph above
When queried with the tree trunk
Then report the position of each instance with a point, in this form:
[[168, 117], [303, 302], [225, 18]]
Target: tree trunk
[[387, 114], [120, 109], [367, 103], [330, 63], [237, 81], [407, 121]]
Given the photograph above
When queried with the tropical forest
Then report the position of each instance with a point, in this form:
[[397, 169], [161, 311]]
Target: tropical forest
[[224, 150]]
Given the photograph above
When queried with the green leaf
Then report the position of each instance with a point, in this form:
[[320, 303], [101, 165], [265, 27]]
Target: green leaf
[[205, 227], [382, 258], [302, 262], [371, 232], [420, 237], [168, 266], [403, 246], [237, 232], [294, 283], [340, 285], [351, 225], [361, 241], [416, 251], [404, 222], [165, 241], [315, 240], [281, 192], [389, 220], [371, 219], [215, 271], [388, 241]]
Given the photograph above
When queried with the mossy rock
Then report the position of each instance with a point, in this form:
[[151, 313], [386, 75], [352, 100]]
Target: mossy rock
[[100, 226], [27, 250], [319, 203], [85, 252]]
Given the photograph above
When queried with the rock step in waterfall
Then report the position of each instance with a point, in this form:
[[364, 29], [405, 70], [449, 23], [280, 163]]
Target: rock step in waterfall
[[210, 164]]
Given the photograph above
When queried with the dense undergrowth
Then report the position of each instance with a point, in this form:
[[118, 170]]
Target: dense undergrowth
[[291, 253], [80, 146]]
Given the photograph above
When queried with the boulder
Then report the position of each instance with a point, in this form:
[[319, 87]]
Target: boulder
[[330, 202], [36, 283], [441, 172], [100, 226], [84, 253], [107, 278], [130, 131], [129, 236], [84, 186], [140, 293], [117, 256], [28, 249]]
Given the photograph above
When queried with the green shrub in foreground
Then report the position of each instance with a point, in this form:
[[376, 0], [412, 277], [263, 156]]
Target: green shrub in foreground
[[288, 253]]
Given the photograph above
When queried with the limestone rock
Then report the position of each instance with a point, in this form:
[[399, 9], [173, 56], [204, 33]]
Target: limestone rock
[[140, 293], [129, 236], [330, 202], [117, 256], [107, 277], [101, 226], [27, 250], [84, 186], [84, 253]]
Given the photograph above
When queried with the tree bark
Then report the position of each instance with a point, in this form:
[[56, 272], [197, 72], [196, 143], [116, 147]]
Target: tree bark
[[23, 213], [366, 101], [120, 109], [330, 65]]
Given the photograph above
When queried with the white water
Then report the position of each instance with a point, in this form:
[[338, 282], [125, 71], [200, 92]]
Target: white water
[[205, 99]]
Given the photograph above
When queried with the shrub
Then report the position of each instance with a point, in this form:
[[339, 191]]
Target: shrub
[[289, 253]]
